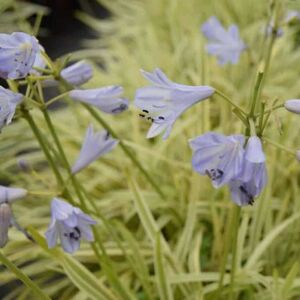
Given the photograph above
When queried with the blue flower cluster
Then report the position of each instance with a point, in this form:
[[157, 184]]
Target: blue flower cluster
[[237, 161]]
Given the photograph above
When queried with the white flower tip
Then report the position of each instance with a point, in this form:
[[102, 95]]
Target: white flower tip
[[293, 105]]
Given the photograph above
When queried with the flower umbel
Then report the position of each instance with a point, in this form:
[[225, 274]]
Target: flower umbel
[[108, 99], [217, 156], [70, 225], [17, 54], [164, 101], [93, 146], [8, 102], [225, 45]]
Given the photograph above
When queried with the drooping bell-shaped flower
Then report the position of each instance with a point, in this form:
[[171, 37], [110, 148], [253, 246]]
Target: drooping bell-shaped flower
[[293, 105], [93, 146], [217, 156], [17, 54], [70, 225], [253, 178], [108, 99], [75, 74], [164, 101], [7, 196], [8, 103], [226, 45]]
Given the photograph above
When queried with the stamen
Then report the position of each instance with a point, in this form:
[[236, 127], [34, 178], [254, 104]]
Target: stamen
[[247, 194], [145, 111], [142, 115], [214, 174], [121, 108]]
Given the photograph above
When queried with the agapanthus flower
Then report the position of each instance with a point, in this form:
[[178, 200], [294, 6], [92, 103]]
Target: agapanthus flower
[[253, 178], [17, 54], [8, 103], [293, 105], [7, 196], [108, 99], [226, 45], [95, 144], [217, 156], [75, 74], [164, 101], [70, 225]]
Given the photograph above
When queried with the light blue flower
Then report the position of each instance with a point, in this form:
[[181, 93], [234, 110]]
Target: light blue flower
[[75, 74], [108, 99], [253, 178], [164, 101], [93, 146], [17, 54], [8, 102], [70, 225], [217, 156], [226, 45]]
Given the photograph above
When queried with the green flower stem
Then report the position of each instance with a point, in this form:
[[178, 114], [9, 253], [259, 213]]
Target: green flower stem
[[230, 102], [40, 139], [261, 117], [51, 101], [227, 243], [125, 149], [256, 93], [280, 147], [63, 157], [45, 149], [241, 117], [24, 278], [271, 109], [236, 219], [252, 127]]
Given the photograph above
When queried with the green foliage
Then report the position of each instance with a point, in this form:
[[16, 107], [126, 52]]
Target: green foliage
[[14, 15], [170, 248]]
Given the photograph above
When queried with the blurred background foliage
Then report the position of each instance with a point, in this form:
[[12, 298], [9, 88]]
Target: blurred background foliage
[[185, 259]]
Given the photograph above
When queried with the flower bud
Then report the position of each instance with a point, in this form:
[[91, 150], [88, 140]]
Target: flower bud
[[293, 105], [5, 218], [10, 194]]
